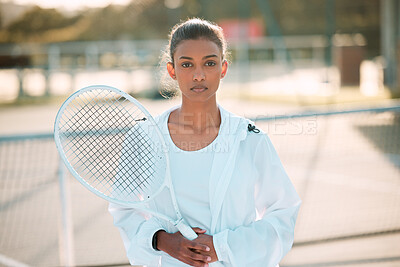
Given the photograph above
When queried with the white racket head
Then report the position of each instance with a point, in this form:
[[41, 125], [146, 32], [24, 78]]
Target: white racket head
[[112, 145]]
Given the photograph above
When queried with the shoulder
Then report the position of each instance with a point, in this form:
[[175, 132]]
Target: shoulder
[[256, 139], [245, 129]]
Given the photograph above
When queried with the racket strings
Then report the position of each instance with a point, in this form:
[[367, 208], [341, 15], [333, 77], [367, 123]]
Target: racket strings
[[105, 140], [144, 171], [104, 167], [77, 111]]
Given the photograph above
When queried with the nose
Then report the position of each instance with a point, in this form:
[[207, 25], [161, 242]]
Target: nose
[[199, 75]]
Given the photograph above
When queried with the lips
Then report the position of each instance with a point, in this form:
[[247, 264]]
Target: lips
[[198, 88]]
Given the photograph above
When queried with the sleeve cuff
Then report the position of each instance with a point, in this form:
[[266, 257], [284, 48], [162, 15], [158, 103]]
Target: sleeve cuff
[[149, 239], [220, 241], [147, 232]]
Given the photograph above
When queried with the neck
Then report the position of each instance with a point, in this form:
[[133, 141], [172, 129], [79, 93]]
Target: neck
[[199, 115]]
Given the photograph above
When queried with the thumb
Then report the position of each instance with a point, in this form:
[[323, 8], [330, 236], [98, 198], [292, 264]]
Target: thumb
[[198, 230]]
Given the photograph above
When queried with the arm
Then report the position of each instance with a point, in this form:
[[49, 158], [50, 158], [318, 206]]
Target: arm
[[136, 231], [136, 228], [266, 241]]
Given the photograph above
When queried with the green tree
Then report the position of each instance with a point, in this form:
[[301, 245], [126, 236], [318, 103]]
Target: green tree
[[38, 20]]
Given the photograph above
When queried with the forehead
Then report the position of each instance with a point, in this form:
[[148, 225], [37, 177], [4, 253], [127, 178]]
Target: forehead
[[196, 48]]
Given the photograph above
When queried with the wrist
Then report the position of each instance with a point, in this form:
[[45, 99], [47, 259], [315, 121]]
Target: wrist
[[155, 240]]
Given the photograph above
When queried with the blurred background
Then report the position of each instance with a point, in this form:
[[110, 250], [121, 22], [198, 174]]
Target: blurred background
[[321, 77]]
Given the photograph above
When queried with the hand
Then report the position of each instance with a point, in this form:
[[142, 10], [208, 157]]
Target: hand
[[208, 241], [177, 246]]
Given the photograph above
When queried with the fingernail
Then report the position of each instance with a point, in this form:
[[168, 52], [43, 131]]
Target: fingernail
[[208, 258], [207, 249]]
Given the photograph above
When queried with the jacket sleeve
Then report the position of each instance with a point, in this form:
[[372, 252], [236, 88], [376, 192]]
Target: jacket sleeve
[[137, 232], [267, 240]]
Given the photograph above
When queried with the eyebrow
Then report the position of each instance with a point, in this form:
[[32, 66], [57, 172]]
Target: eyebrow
[[190, 58]]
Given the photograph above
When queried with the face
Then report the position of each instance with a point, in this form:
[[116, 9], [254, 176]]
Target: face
[[198, 67]]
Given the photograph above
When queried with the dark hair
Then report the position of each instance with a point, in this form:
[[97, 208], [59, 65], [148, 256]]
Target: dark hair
[[194, 29], [191, 29]]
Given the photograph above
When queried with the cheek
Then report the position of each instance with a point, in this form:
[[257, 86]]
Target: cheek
[[214, 73], [216, 77], [182, 75], [184, 79], [186, 75]]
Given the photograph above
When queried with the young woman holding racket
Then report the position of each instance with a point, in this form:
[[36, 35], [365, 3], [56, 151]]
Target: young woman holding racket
[[229, 183]]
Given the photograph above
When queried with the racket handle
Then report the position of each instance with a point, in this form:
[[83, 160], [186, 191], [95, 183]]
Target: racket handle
[[186, 230]]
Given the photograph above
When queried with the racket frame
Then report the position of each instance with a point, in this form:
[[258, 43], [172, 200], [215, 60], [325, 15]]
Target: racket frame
[[180, 223]]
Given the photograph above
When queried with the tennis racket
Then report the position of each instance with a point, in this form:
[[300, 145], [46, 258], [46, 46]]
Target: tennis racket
[[111, 144]]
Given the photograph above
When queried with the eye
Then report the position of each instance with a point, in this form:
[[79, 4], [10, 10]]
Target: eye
[[186, 65], [210, 63]]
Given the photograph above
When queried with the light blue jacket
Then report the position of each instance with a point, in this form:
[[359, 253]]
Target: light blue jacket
[[253, 203]]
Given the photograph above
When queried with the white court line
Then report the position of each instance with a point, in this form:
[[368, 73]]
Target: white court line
[[11, 262]]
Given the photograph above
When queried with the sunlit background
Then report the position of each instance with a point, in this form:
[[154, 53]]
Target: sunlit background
[[321, 77]]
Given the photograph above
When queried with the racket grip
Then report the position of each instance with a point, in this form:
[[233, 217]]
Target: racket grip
[[186, 230]]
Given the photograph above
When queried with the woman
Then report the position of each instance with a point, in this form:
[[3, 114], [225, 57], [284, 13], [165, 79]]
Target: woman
[[229, 182]]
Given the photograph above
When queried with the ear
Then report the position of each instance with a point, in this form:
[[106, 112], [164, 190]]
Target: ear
[[224, 68], [171, 70]]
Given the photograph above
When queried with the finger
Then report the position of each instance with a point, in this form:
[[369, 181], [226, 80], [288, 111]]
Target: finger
[[188, 259], [199, 230], [199, 257], [198, 246], [194, 263]]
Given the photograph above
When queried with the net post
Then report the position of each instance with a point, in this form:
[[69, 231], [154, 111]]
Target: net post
[[66, 242]]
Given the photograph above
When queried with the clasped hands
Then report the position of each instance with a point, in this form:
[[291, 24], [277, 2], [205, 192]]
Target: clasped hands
[[198, 252]]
